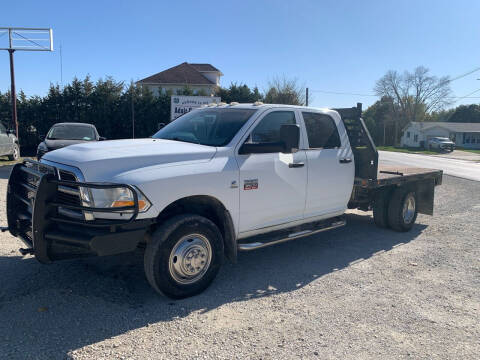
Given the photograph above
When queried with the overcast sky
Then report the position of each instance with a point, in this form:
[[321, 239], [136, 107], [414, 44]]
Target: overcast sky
[[335, 46]]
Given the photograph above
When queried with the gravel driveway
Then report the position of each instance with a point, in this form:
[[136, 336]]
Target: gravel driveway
[[352, 293]]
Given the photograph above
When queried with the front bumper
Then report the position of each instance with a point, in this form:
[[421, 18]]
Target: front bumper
[[33, 202]]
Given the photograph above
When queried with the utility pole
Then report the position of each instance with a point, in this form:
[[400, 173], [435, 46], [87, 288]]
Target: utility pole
[[13, 92], [133, 115], [306, 96]]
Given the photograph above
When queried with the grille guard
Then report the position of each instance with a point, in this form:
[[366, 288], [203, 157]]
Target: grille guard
[[31, 217]]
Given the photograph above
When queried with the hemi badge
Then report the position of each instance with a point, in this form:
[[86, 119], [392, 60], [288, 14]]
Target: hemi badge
[[251, 184]]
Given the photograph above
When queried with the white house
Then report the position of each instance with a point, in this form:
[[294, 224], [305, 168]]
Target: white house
[[202, 79], [466, 135]]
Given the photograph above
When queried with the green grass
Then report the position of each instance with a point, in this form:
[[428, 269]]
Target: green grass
[[4, 160], [407, 150], [471, 150]]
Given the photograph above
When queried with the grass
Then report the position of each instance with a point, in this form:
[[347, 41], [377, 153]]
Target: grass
[[475, 151], [4, 161], [407, 150]]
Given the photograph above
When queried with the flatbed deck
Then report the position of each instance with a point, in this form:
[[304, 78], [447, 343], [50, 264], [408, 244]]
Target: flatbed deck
[[392, 175]]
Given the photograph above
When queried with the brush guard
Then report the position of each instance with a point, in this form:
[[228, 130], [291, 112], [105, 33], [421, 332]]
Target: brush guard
[[33, 216]]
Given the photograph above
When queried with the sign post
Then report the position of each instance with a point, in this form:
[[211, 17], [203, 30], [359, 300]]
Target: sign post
[[23, 39], [181, 104]]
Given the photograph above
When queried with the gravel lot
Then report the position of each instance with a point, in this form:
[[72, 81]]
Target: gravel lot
[[352, 293]]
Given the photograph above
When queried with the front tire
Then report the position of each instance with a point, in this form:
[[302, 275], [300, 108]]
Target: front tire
[[402, 209], [184, 256], [15, 153]]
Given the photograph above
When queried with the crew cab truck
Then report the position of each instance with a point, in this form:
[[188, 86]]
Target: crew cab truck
[[215, 181]]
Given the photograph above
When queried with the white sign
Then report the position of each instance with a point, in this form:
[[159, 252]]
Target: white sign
[[183, 104]]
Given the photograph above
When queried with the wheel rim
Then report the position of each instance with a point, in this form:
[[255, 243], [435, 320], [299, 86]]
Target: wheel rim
[[409, 208], [15, 152], [190, 258]]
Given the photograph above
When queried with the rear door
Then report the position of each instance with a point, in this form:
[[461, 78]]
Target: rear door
[[4, 141], [272, 185], [331, 170]]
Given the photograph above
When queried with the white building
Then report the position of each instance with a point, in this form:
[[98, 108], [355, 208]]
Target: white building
[[202, 79], [466, 135]]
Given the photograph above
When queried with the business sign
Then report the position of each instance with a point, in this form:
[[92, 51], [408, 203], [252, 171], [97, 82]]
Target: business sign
[[183, 104]]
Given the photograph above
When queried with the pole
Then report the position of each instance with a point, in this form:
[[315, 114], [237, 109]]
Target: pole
[[13, 92], [306, 96], [133, 116]]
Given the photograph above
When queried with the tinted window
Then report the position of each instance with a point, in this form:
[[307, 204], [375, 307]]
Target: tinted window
[[71, 132], [213, 127], [268, 130], [321, 131]]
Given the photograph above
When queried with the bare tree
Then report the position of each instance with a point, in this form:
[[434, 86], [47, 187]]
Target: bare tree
[[413, 94], [285, 91]]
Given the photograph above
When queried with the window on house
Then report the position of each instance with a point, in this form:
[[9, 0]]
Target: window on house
[[408, 134], [321, 131], [415, 138]]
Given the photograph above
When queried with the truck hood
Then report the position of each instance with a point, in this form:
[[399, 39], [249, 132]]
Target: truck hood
[[104, 160]]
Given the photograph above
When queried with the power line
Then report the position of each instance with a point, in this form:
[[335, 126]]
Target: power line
[[447, 81]]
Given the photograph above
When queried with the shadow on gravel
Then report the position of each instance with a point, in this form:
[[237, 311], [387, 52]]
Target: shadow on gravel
[[48, 310], [5, 171]]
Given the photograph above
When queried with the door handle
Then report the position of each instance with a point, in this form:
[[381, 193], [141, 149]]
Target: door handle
[[345, 161], [296, 165]]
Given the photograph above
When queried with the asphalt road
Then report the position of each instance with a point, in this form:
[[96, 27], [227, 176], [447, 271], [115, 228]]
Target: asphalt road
[[352, 293], [461, 168]]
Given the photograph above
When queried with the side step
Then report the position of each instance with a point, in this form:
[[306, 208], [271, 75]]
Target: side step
[[279, 236]]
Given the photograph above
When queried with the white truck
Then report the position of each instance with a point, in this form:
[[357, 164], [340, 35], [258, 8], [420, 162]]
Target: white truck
[[215, 181]]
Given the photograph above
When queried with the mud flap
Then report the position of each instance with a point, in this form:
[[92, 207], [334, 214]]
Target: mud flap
[[425, 196]]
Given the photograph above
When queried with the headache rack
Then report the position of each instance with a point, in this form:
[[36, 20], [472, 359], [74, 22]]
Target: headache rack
[[38, 205], [363, 147]]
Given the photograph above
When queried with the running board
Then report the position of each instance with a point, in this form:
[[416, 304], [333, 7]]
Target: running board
[[280, 236]]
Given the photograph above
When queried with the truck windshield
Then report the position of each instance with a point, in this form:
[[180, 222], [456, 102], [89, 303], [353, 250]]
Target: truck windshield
[[212, 127], [71, 132]]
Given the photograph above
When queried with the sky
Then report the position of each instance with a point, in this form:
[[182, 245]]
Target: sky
[[328, 46]]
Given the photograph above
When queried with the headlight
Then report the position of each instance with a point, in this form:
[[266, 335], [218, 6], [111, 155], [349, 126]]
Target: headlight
[[115, 198]]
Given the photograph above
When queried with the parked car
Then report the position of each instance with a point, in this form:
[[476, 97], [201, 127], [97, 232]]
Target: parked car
[[9, 144], [213, 182], [64, 134], [441, 144]]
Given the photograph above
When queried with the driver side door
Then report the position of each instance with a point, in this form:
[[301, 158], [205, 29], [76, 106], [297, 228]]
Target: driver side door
[[272, 185]]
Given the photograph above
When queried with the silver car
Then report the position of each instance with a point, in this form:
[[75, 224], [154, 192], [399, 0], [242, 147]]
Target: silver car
[[441, 143]]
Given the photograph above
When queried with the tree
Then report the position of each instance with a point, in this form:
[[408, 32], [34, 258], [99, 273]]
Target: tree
[[285, 91], [239, 93], [466, 114], [414, 94], [378, 118]]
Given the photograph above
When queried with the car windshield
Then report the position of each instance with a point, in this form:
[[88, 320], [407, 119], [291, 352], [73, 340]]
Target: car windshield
[[210, 126], [71, 132], [441, 139]]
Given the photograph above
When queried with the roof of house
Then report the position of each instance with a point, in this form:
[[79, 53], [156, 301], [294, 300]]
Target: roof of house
[[451, 126], [205, 67], [184, 73]]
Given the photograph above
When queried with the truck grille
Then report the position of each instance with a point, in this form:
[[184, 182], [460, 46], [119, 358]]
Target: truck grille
[[69, 195]]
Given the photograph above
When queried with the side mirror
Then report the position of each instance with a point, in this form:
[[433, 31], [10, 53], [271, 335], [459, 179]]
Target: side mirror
[[290, 137], [102, 138], [41, 137]]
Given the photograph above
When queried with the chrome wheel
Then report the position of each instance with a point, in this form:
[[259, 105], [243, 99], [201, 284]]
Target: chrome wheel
[[190, 258], [15, 152], [409, 208]]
